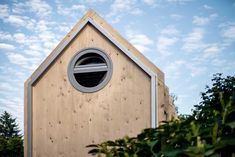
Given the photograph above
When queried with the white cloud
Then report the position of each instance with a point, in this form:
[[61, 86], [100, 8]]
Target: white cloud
[[51, 45], [124, 7], [193, 40], [167, 38], [115, 19], [40, 7], [28, 59], [16, 20], [18, 8], [11, 102], [193, 86], [202, 21], [176, 17], [7, 46], [149, 2], [4, 10], [229, 31], [18, 59], [63, 27], [179, 1], [20, 21], [196, 70], [42, 26], [211, 51], [19, 38], [136, 11], [93, 1], [34, 50], [71, 11], [174, 69], [33, 53], [96, 1], [207, 7], [163, 43], [25, 40], [140, 41], [40, 44], [6, 86], [169, 30], [5, 36], [35, 47], [26, 62], [218, 62], [46, 36], [13, 105]]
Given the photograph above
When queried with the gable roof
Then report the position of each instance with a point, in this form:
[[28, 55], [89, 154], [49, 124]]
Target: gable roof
[[92, 18], [105, 29]]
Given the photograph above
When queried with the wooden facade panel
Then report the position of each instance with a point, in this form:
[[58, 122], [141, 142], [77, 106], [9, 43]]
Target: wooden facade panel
[[127, 45], [166, 109], [66, 120]]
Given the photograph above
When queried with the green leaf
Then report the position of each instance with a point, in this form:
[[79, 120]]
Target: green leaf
[[94, 151], [231, 124], [92, 145]]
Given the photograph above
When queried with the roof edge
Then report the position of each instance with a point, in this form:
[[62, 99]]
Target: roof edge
[[88, 14], [127, 44], [88, 18]]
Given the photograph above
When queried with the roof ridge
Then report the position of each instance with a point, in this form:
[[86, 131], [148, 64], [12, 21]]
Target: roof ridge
[[91, 14]]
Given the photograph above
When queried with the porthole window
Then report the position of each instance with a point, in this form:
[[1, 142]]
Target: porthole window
[[90, 70]]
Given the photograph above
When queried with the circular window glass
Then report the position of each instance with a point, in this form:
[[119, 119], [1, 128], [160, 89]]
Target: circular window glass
[[90, 70]]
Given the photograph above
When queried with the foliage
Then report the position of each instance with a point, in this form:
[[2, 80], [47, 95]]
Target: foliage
[[8, 126], [11, 142], [208, 132], [174, 98], [210, 105]]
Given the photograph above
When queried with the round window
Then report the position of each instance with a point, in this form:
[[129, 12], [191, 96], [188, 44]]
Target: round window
[[90, 70]]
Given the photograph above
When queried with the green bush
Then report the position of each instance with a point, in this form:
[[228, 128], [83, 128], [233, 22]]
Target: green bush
[[208, 132]]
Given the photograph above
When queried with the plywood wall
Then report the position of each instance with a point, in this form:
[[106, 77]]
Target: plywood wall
[[166, 109], [66, 120]]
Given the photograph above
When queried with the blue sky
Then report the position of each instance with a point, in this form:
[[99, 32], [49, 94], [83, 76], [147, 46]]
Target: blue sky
[[189, 40]]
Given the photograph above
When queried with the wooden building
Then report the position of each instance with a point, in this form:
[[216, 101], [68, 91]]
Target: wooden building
[[94, 86]]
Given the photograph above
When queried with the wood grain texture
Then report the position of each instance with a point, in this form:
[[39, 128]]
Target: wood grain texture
[[92, 14], [66, 120]]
